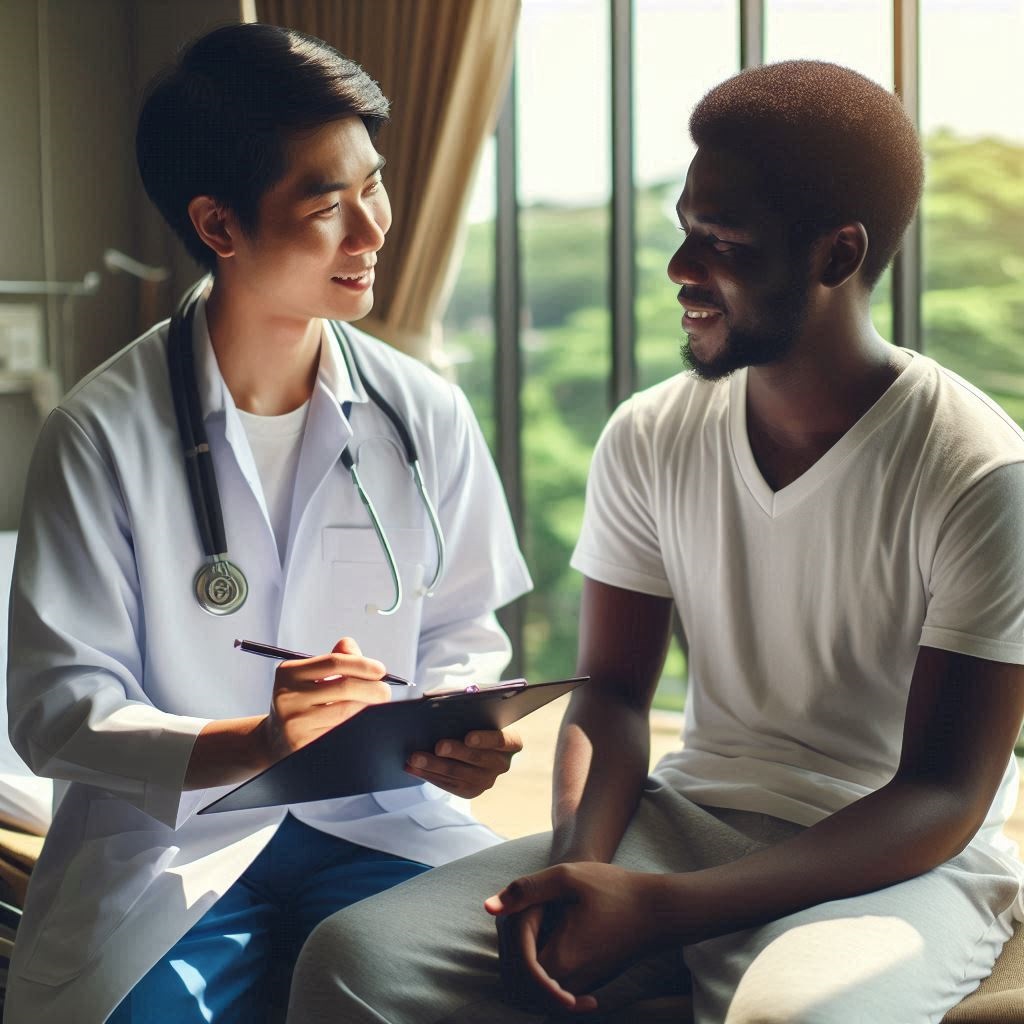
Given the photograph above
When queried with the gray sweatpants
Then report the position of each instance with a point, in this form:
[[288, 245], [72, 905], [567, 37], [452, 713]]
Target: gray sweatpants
[[425, 952]]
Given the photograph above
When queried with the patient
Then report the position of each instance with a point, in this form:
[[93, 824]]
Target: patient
[[838, 523]]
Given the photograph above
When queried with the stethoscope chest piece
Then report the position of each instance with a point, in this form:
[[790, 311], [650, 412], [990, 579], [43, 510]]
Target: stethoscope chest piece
[[221, 587]]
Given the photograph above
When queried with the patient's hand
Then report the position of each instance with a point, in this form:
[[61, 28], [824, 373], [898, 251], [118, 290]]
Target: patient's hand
[[596, 920], [470, 766]]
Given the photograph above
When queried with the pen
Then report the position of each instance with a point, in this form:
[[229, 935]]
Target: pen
[[280, 654]]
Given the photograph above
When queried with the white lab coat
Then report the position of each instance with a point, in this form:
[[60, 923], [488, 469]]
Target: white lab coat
[[114, 668]]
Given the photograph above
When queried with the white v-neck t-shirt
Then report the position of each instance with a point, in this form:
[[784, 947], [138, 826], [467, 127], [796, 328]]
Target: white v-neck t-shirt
[[804, 608], [276, 442]]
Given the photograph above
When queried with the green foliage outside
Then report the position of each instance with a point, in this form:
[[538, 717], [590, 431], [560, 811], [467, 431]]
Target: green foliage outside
[[973, 310]]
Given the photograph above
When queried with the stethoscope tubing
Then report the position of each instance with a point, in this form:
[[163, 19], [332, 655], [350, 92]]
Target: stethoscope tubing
[[199, 470], [412, 457]]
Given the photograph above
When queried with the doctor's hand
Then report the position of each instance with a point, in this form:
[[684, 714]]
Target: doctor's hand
[[571, 928], [314, 695], [470, 766]]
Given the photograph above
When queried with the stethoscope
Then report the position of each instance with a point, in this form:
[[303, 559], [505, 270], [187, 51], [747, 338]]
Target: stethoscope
[[220, 586]]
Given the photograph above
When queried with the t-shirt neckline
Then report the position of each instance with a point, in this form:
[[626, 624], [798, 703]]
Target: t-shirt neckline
[[777, 503]]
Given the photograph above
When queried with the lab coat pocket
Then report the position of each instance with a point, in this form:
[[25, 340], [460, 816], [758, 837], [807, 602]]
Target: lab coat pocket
[[356, 581], [447, 831], [103, 881], [433, 814], [402, 799]]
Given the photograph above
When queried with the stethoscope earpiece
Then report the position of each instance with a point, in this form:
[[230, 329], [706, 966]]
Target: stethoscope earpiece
[[220, 587]]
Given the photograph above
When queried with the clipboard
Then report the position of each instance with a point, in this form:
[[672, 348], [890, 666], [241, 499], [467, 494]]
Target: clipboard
[[368, 753]]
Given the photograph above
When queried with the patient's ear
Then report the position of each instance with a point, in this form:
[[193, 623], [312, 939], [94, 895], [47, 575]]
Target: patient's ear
[[842, 252], [214, 224]]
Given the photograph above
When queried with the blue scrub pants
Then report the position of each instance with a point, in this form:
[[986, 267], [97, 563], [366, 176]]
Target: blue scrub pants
[[235, 964]]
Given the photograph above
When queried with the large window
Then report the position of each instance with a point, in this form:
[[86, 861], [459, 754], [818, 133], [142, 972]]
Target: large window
[[967, 279], [973, 215]]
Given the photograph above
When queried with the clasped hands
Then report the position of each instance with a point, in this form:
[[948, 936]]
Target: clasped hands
[[314, 695], [572, 927]]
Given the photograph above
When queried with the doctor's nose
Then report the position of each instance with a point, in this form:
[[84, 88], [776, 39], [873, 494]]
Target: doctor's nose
[[684, 267], [365, 231]]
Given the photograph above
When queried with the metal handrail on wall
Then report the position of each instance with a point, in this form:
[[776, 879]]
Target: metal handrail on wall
[[89, 285]]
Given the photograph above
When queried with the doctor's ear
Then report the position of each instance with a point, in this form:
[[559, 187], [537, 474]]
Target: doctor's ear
[[843, 252], [213, 223]]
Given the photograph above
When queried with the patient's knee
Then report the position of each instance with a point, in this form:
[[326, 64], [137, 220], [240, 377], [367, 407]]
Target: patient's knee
[[790, 1012], [337, 940], [845, 970]]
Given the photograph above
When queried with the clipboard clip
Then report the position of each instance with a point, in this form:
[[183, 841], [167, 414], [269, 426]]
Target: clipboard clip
[[508, 689]]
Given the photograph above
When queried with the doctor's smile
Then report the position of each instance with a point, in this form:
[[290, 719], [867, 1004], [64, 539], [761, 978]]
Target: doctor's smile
[[359, 281]]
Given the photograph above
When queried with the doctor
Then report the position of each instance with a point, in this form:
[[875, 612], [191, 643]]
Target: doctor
[[124, 683]]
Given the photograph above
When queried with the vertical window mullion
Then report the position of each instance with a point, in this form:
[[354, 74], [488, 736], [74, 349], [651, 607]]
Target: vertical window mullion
[[508, 362], [751, 14], [622, 262], [906, 270]]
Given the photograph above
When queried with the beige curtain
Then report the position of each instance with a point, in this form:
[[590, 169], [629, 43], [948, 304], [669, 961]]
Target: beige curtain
[[444, 64]]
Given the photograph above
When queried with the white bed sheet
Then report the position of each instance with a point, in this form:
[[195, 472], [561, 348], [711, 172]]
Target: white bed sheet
[[26, 801]]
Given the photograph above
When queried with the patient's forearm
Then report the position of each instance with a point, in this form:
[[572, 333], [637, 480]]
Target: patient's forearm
[[600, 769], [604, 744]]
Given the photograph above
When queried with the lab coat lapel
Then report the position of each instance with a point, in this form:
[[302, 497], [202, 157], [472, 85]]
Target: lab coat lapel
[[327, 429], [238, 441], [327, 433]]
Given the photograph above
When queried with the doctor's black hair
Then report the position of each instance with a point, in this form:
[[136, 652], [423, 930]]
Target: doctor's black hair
[[831, 146], [216, 123]]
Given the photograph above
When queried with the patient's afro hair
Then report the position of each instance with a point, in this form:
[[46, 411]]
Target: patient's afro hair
[[832, 146]]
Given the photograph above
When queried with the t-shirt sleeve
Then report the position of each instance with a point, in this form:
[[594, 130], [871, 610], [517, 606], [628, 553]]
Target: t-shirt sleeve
[[976, 604], [619, 543]]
